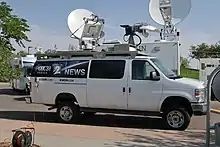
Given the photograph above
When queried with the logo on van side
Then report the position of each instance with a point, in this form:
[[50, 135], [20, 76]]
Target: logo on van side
[[69, 70], [43, 68], [56, 69]]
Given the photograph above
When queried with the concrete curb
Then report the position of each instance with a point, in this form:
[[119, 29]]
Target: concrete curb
[[4, 83], [215, 111]]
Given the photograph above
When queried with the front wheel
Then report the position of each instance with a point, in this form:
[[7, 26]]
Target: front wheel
[[176, 118], [67, 113]]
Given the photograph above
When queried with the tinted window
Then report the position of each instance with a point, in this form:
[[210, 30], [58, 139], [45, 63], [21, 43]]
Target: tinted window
[[141, 70], [107, 69], [66, 69]]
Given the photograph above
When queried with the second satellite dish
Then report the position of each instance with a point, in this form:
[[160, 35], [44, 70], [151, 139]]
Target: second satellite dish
[[179, 10], [84, 23]]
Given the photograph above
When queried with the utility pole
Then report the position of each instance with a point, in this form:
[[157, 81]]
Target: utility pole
[[29, 49]]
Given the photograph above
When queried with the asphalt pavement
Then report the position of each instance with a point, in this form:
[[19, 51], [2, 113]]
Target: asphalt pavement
[[57, 135], [134, 131], [13, 106]]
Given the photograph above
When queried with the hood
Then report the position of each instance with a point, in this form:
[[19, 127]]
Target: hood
[[191, 82]]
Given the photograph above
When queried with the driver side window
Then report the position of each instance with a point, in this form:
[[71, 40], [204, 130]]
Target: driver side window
[[141, 70]]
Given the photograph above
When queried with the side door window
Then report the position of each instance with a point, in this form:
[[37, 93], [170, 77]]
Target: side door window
[[107, 69], [141, 70]]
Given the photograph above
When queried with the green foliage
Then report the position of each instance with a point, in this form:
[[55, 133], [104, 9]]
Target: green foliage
[[12, 28], [184, 62], [189, 73], [22, 53], [205, 51], [6, 72]]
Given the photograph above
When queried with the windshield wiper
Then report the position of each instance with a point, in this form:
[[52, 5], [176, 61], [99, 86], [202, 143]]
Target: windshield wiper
[[175, 77]]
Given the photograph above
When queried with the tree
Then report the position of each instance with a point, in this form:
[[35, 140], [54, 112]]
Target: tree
[[12, 28], [204, 50], [72, 47], [49, 51], [6, 72], [184, 62], [22, 53]]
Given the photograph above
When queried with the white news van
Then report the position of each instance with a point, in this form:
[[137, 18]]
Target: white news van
[[122, 82]]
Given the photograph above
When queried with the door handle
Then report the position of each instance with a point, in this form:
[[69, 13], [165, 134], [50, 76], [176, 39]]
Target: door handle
[[123, 89], [129, 90]]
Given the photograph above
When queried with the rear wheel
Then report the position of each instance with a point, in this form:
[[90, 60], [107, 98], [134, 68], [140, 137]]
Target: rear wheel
[[67, 113], [176, 118]]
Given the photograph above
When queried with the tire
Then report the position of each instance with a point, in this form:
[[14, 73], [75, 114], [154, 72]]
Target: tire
[[71, 110], [18, 139], [182, 118]]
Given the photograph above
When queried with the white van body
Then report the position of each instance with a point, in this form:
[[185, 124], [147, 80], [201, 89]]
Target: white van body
[[128, 84], [25, 64], [206, 67], [167, 51]]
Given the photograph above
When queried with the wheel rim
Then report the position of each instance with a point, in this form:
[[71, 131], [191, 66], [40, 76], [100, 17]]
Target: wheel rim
[[175, 119], [66, 113]]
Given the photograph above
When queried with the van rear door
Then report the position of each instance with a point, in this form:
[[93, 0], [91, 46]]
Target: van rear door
[[40, 76]]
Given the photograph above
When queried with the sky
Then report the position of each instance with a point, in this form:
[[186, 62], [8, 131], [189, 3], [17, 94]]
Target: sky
[[48, 20]]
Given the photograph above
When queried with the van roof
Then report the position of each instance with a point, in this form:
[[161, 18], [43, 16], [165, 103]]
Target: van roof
[[92, 54], [91, 58]]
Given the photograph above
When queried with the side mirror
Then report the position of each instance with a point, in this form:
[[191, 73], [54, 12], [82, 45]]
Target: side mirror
[[154, 76]]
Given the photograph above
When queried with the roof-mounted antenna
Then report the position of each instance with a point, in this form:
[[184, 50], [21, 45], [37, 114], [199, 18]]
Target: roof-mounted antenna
[[86, 27], [142, 28], [169, 13]]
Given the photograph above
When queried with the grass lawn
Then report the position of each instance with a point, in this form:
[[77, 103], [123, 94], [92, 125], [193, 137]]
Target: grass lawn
[[189, 73]]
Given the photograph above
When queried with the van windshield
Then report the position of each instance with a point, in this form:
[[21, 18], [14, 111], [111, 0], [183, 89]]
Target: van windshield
[[166, 71]]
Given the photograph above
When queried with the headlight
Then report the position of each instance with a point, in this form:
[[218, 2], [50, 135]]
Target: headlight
[[200, 95]]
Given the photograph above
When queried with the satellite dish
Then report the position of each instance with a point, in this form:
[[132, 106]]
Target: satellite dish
[[177, 10], [216, 86], [85, 26], [76, 21]]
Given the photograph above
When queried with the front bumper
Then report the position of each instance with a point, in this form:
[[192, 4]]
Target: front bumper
[[199, 108]]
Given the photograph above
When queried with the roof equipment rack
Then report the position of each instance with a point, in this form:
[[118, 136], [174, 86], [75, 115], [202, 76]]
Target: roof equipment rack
[[117, 50]]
